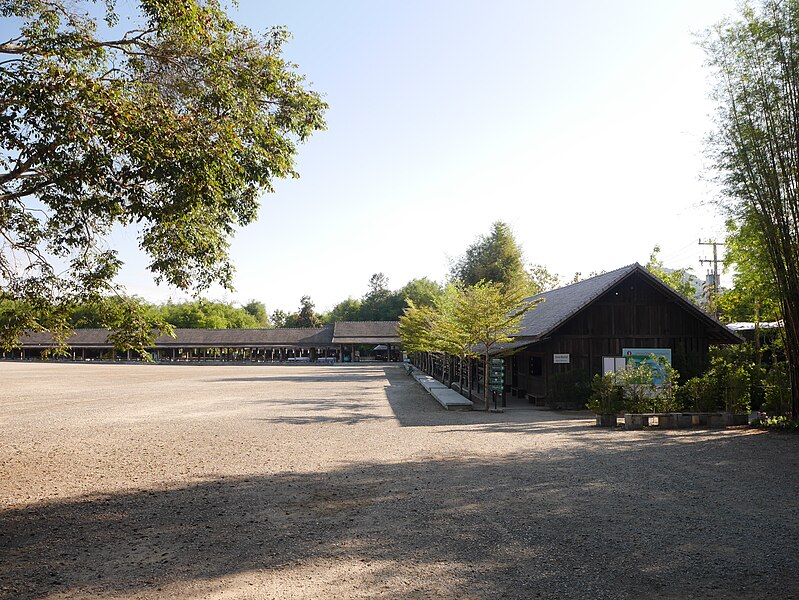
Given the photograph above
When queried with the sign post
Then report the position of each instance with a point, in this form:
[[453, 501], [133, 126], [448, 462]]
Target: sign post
[[497, 379]]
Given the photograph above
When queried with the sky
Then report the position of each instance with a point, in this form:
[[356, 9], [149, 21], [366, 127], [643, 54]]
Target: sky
[[580, 123]]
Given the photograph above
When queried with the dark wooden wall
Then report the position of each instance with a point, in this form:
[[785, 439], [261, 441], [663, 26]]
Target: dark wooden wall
[[634, 314]]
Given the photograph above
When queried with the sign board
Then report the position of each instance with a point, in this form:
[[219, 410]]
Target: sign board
[[642, 354], [561, 359], [635, 356]]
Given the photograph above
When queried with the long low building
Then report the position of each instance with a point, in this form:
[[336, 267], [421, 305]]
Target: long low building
[[344, 341]]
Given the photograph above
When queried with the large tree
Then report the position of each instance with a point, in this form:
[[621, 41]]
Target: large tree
[[495, 257], [755, 60], [498, 258], [175, 124]]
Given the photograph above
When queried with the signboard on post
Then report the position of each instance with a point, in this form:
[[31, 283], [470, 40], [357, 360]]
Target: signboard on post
[[496, 375]]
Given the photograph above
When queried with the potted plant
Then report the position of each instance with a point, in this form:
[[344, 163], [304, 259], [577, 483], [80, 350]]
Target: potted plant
[[606, 400]]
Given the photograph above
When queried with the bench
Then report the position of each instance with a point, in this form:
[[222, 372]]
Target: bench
[[536, 399]]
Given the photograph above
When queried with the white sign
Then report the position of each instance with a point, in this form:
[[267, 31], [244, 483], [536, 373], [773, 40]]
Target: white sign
[[561, 359]]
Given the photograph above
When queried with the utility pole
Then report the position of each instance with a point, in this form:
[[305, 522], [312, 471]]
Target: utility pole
[[715, 261]]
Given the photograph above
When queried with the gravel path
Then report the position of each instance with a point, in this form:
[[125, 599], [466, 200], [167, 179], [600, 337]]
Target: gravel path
[[134, 481]]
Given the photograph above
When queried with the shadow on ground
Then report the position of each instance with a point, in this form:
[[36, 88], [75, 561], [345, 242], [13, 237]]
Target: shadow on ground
[[712, 517]]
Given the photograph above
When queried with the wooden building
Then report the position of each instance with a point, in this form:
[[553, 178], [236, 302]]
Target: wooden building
[[340, 342], [563, 340]]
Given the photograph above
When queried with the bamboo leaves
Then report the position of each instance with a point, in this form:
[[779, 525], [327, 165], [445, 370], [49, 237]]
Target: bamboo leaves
[[755, 62]]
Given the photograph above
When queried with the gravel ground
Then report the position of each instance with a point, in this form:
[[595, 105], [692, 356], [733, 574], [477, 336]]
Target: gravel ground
[[134, 481]]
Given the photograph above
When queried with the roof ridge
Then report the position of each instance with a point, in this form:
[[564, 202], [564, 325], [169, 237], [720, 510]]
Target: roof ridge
[[582, 281]]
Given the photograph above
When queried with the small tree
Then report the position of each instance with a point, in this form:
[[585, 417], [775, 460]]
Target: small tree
[[451, 337], [416, 328], [487, 314]]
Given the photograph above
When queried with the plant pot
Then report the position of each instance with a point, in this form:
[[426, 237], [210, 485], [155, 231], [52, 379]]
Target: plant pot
[[606, 420]]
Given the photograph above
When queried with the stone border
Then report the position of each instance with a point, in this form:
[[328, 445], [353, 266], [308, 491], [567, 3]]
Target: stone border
[[683, 420]]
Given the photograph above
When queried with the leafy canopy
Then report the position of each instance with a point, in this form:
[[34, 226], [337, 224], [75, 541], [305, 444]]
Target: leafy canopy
[[498, 258], [175, 125], [677, 279], [466, 321]]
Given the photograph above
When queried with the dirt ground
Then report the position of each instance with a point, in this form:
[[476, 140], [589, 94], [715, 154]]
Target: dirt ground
[[135, 481]]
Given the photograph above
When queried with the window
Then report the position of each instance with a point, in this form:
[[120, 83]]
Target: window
[[536, 366]]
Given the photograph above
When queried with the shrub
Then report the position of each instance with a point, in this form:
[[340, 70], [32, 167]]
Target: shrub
[[780, 423], [698, 394], [777, 385], [607, 396], [732, 384], [642, 394], [570, 389]]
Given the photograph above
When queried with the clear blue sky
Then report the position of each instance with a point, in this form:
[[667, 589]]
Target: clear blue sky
[[578, 122]]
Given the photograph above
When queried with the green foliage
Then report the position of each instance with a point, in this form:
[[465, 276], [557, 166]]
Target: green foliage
[[541, 280], [279, 318], [755, 63], [642, 394], [417, 328], [382, 304], [258, 312], [777, 385], [677, 279], [451, 332], [305, 317], [346, 310], [423, 291], [779, 423], [205, 314], [698, 394], [725, 385], [571, 389], [753, 296], [607, 395], [498, 258], [379, 304], [177, 125], [466, 321]]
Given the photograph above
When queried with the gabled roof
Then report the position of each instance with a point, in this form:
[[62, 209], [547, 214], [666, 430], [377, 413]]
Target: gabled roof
[[365, 332], [563, 303]]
